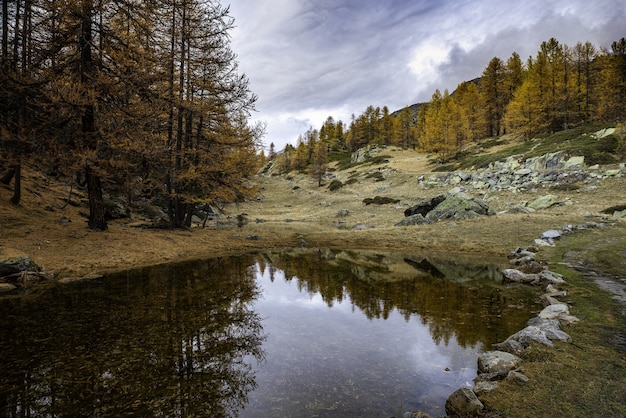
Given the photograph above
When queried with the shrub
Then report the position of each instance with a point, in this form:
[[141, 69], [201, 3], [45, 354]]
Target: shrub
[[335, 185]]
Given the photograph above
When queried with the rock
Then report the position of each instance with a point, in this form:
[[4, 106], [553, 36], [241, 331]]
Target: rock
[[424, 206], [552, 329], [548, 300], [463, 403], [343, 213], [550, 277], [516, 276], [459, 207], [543, 202], [554, 311], [521, 252], [517, 377], [619, 214], [567, 320], [551, 234], [417, 219], [499, 362], [14, 265], [543, 243], [521, 209], [529, 335], [484, 386], [576, 162], [510, 346], [527, 265]]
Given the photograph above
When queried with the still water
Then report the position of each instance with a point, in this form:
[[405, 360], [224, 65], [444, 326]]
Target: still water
[[290, 334]]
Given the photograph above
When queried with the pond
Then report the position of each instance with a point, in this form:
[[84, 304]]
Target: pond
[[302, 333]]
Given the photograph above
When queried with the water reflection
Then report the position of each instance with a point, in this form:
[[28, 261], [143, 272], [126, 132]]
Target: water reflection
[[372, 334], [323, 333], [158, 342]]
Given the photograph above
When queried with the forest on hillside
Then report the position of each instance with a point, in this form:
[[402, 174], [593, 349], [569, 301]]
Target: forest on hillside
[[136, 98], [560, 88]]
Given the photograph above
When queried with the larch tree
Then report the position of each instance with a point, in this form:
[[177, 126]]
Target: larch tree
[[493, 88], [583, 57], [319, 162], [611, 84]]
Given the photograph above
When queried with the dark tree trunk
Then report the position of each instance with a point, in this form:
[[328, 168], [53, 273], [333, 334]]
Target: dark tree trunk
[[97, 218], [6, 179], [15, 172], [17, 185]]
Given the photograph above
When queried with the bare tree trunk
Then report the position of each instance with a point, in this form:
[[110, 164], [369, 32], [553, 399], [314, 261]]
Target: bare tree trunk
[[17, 185], [97, 218], [5, 34]]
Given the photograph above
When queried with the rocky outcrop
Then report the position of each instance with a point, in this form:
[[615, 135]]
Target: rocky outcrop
[[424, 206], [452, 206], [516, 173]]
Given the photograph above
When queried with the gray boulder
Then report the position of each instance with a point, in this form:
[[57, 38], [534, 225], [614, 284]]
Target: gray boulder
[[554, 311], [529, 335], [510, 346], [463, 403], [551, 234], [14, 265], [499, 362], [551, 328], [544, 202], [516, 276], [424, 206], [551, 278], [417, 219], [459, 207], [455, 207]]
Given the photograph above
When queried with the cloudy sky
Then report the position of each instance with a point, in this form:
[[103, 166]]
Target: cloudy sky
[[310, 59]]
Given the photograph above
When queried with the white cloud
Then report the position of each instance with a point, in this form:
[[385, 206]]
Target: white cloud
[[310, 59]]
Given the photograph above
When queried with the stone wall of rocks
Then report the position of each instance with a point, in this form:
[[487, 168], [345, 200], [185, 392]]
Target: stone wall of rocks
[[505, 361], [519, 174]]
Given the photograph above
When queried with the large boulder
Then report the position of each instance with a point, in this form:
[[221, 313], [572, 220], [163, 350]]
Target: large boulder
[[424, 206], [544, 202], [499, 362], [529, 335], [463, 403], [459, 207], [14, 265], [452, 206]]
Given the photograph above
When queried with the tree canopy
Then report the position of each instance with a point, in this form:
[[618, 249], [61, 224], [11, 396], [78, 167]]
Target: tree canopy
[[559, 88], [120, 93]]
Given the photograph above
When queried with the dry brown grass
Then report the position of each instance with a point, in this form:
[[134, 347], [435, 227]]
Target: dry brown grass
[[294, 212]]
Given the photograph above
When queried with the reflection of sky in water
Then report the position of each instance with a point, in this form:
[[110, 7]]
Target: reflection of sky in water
[[334, 361]]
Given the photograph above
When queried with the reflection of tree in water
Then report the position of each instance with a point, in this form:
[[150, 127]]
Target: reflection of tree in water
[[453, 299], [168, 341]]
